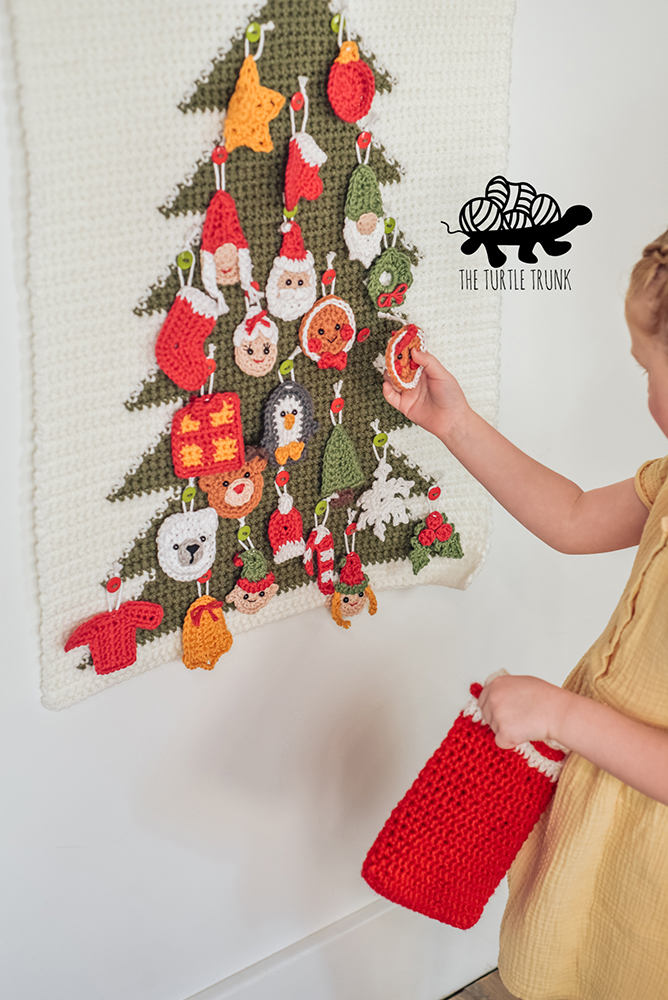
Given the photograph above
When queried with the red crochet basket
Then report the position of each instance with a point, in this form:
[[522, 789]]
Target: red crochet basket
[[455, 833]]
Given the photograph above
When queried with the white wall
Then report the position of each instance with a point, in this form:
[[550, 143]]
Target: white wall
[[174, 830]]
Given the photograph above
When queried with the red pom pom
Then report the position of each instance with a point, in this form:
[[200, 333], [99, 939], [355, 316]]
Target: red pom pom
[[434, 520], [237, 560], [444, 532], [426, 537]]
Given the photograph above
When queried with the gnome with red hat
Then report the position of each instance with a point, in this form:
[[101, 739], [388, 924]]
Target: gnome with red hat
[[224, 255], [291, 286], [352, 593]]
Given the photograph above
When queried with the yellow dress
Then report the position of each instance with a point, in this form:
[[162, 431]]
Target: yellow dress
[[587, 916]]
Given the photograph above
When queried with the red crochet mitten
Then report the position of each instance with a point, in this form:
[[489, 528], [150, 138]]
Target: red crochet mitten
[[455, 833]]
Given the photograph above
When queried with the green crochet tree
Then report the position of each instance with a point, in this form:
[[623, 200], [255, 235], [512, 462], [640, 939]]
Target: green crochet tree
[[302, 43]]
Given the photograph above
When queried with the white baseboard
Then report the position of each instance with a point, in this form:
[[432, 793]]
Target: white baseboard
[[381, 952]]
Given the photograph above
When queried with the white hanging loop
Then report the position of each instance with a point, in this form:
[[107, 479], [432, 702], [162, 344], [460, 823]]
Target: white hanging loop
[[343, 21], [349, 539], [392, 315], [269, 26], [330, 258], [212, 351]]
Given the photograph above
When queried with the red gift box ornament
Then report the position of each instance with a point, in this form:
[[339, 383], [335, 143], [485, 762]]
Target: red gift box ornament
[[207, 436], [454, 835]]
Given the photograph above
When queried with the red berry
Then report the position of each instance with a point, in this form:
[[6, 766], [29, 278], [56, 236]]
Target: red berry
[[434, 520], [426, 537], [444, 532]]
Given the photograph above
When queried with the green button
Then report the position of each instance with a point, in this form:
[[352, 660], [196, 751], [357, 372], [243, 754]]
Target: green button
[[321, 508], [287, 367], [184, 260], [335, 23], [389, 225], [253, 32], [289, 215], [189, 494], [380, 439], [243, 533]]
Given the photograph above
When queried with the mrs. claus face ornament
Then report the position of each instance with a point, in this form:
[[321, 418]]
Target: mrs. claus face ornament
[[291, 286], [256, 343]]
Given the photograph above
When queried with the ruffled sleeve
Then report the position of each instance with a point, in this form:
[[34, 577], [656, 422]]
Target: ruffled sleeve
[[650, 478]]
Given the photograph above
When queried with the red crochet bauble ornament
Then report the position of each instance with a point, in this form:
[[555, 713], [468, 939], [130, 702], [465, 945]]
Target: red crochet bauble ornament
[[455, 833], [351, 84]]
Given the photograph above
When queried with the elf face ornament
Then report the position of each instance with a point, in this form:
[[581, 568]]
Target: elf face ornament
[[235, 494], [255, 587], [291, 286], [256, 343], [187, 544], [327, 332], [403, 372], [289, 423], [352, 594]]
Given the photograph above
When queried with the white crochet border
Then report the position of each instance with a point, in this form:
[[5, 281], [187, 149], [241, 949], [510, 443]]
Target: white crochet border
[[107, 78]]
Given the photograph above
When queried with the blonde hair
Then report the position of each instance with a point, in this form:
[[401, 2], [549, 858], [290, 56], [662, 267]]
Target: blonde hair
[[649, 279], [336, 606]]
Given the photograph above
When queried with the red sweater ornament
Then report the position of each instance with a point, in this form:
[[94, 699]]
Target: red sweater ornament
[[454, 835], [111, 635]]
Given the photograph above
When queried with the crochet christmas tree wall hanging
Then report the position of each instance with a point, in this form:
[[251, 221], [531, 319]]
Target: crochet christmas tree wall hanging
[[300, 165], [276, 229]]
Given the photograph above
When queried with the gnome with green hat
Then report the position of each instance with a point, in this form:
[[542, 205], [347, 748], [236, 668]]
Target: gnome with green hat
[[364, 227], [255, 587], [352, 593]]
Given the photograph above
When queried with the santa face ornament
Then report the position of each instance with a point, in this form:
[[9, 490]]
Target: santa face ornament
[[256, 343], [187, 544], [289, 423], [327, 332], [291, 286], [403, 372]]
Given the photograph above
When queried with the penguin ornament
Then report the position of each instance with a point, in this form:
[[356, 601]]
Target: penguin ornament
[[289, 423]]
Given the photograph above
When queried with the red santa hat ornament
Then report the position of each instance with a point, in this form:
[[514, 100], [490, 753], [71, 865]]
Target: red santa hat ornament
[[286, 529], [455, 833], [291, 286], [224, 254]]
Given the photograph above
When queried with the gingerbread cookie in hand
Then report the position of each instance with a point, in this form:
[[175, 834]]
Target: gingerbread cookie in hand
[[403, 371]]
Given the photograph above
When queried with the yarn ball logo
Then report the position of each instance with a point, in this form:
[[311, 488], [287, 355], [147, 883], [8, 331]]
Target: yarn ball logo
[[514, 214]]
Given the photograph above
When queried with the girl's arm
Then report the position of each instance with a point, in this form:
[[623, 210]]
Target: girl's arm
[[527, 708], [549, 505]]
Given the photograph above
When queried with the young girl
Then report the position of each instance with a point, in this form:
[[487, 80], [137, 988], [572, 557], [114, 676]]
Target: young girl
[[587, 917]]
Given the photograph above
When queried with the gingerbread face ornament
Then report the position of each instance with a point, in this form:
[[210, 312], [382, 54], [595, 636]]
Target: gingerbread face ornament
[[327, 332], [402, 370]]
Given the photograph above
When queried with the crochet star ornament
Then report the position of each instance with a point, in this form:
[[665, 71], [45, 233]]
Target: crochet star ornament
[[250, 110]]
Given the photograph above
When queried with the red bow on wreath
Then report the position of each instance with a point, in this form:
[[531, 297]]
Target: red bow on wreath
[[196, 613], [327, 360], [385, 299]]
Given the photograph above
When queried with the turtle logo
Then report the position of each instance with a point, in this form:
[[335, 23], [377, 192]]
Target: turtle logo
[[514, 214]]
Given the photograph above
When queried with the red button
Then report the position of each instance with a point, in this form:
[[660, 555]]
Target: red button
[[283, 478], [114, 584], [205, 578], [297, 102], [328, 276], [351, 529], [363, 334], [363, 139], [337, 404], [219, 155], [434, 493]]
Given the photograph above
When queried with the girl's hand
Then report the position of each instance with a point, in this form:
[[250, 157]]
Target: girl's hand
[[437, 403], [519, 709]]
